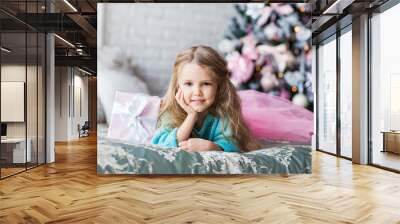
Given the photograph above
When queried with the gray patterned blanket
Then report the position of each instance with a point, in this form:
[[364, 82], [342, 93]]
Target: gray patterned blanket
[[115, 157]]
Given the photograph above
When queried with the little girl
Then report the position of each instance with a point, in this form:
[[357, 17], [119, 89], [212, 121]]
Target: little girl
[[201, 110]]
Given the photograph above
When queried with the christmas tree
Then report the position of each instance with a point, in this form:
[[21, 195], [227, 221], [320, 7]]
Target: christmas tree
[[268, 48]]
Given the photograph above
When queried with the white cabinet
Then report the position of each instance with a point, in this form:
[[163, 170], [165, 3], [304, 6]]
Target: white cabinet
[[18, 149]]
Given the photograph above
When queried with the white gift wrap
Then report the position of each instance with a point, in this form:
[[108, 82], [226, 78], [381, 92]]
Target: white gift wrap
[[134, 117]]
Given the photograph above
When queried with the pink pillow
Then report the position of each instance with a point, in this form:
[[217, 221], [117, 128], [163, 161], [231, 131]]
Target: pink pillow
[[274, 118]]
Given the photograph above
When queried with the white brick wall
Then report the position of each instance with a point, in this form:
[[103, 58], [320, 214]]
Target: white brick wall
[[155, 33]]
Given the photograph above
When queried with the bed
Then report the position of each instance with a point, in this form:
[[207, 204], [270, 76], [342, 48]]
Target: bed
[[115, 157]]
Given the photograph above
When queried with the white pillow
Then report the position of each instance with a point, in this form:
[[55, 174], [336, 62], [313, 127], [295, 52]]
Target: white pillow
[[115, 73]]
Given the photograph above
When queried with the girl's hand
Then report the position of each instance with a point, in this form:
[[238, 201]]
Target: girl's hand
[[198, 145], [179, 98]]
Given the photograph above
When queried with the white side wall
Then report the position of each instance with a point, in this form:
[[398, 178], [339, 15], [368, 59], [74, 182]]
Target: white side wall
[[314, 85], [71, 102]]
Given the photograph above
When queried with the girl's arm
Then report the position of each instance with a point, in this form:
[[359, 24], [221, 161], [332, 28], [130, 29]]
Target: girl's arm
[[171, 137], [186, 128], [222, 137], [198, 145], [226, 145], [165, 137]]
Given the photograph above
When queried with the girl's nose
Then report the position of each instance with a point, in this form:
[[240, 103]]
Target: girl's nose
[[197, 90]]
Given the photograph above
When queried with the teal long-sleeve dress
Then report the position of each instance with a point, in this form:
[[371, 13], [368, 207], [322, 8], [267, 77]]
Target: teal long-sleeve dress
[[210, 130]]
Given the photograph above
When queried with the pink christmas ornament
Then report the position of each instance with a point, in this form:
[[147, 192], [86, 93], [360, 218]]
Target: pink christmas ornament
[[282, 9], [241, 68], [249, 47], [267, 69], [268, 80], [267, 83]]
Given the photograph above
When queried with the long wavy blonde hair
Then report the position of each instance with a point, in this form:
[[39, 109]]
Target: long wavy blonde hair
[[226, 104]]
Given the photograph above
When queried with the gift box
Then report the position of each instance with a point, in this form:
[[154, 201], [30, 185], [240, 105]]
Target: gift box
[[134, 117]]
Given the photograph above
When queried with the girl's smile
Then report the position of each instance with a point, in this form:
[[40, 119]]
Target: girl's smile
[[197, 101]]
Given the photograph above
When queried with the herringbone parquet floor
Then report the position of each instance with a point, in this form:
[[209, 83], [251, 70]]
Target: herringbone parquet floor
[[69, 191]]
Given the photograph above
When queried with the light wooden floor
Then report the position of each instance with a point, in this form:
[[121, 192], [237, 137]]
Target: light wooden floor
[[387, 159], [9, 171], [70, 191], [5, 172]]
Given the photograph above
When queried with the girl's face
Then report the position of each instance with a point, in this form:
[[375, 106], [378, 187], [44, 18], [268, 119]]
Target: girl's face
[[198, 86]]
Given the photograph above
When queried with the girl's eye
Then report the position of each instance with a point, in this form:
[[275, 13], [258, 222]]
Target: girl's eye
[[207, 84], [187, 83]]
